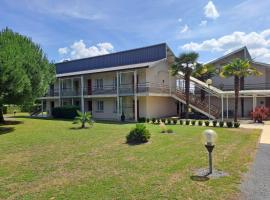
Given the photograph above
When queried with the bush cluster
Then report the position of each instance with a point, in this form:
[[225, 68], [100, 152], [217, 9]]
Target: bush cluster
[[215, 123], [65, 112], [10, 109], [139, 134]]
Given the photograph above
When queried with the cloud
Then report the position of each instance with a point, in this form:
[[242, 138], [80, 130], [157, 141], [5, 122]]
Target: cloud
[[210, 10], [79, 50], [184, 29], [203, 23], [80, 9], [258, 44], [63, 51], [180, 20]]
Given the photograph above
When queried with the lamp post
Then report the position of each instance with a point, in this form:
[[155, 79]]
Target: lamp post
[[209, 83], [209, 140]]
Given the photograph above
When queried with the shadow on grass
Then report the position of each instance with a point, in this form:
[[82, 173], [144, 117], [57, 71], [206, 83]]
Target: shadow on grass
[[70, 120], [199, 178], [79, 128], [11, 122], [5, 130], [42, 118]]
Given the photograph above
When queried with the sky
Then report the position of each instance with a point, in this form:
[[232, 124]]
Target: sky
[[82, 28]]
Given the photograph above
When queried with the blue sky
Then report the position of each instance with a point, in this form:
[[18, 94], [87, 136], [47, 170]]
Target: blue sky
[[81, 28]]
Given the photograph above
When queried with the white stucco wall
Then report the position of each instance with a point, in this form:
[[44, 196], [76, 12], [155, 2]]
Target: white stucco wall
[[160, 106]]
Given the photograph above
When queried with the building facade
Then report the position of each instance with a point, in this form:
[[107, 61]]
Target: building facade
[[138, 83]]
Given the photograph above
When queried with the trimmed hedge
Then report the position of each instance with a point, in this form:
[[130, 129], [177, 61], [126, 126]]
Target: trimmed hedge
[[65, 112]]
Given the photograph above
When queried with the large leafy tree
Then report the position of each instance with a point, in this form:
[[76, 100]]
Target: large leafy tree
[[25, 72], [186, 63], [238, 68], [204, 72]]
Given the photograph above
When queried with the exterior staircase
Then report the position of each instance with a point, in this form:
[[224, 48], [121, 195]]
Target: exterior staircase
[[195, 101]]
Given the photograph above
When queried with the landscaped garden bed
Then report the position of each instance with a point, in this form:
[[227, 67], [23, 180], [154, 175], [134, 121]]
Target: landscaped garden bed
[[49, 159]]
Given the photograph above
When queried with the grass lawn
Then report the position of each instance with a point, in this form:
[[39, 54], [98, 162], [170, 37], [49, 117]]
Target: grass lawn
[[49, 159]]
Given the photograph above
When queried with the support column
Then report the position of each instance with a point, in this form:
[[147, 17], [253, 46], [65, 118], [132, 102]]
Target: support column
[[117, 92], [42, 107], [254, 102], [227, 105], [59, 90], [82, 99], [222, 108], [72, 90], [135, 96]]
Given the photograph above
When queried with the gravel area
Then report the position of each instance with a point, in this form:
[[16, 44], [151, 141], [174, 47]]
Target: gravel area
[[256, 185]]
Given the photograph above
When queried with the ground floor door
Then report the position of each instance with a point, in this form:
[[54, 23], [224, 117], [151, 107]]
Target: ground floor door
[[90, 106], [267, 102]]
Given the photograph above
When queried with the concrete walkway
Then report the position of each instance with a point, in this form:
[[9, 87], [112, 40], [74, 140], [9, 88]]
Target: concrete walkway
[[256, 185]]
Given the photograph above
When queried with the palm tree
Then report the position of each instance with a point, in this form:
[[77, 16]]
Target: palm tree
[[83, 118], [204, 72], [186, 63], [238, 68]]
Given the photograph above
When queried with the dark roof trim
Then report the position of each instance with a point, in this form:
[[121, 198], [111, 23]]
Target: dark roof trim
[[123, 58], [247, 55]]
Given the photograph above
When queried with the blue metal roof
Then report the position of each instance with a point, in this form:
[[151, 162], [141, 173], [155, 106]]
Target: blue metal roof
[[133, 56]]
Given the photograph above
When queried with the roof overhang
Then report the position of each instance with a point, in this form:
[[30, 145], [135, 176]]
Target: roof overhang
[[133, 66]]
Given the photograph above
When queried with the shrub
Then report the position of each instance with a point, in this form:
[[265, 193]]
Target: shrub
[[206, 123], [163, 120], [193, 122], [153, 120], [200, 123], [175, 121], [147, 120], [260, 114], [163, 127], [187, 122], [83, 118], [221, 124], [229, 124], [169, 121], [65, 112], [142, 120], [215, 123], [139, 134], [169, 130], [181, 122], [236, 124], [158, 121]]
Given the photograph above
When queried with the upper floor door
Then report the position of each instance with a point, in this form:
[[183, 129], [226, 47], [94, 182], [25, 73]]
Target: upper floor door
[[89, 87]]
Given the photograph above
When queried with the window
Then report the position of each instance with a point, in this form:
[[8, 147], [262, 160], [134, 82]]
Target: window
[[99, 83], [100, 106]]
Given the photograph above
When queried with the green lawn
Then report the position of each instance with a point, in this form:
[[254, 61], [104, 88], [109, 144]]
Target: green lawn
[[49, 159]]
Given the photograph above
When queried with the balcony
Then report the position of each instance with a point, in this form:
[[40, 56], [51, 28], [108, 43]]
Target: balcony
[[255, 86], [105, 90], [124, 90]]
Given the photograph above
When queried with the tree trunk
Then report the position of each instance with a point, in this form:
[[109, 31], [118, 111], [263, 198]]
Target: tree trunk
[[2, 120], [242, 87], [202, 95], [187, 88], [236, 98], [83, 124]]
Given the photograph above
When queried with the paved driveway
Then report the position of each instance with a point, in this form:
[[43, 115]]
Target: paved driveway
[[256, 185]]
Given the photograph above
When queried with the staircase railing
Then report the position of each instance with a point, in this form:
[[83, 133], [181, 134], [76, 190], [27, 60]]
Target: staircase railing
[[197, 100], [198, 104]]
